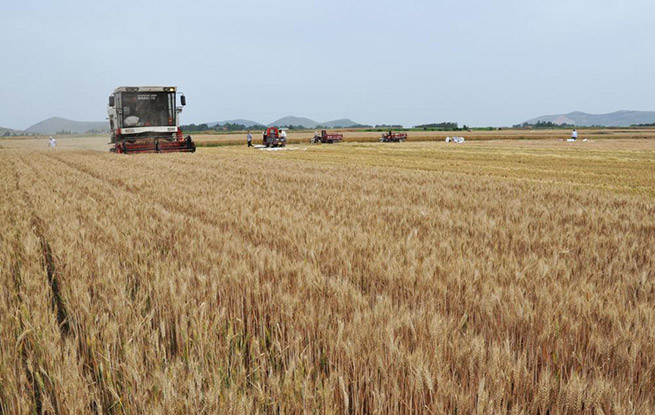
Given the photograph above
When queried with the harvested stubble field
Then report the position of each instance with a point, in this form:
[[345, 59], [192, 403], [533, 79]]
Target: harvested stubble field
[[208, 139], [490, 277]]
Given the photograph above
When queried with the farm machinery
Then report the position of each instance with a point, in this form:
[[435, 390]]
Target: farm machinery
[[391, 137], [325, 137], [144, 119], [273, 137]]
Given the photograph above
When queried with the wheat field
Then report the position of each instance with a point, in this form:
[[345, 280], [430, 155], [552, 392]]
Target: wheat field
[[484, 278]]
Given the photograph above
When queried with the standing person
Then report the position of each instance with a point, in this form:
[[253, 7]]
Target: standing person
[[52, 142], [574, 135], [283, 135], [249, 138]]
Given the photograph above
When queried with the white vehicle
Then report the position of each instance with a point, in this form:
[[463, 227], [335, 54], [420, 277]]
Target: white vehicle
[[145, 119]]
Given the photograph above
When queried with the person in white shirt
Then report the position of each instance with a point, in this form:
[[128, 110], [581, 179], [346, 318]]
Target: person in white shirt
[[283, 135], [52, 142], [249, 138], [131, 121], [574, 135]]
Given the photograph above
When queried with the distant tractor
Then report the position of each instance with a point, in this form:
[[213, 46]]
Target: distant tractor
[[272, 137], [393, 137], [325, 137], [144, 119]]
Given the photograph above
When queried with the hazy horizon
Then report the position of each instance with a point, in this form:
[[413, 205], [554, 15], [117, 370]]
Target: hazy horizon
[[408, 63]]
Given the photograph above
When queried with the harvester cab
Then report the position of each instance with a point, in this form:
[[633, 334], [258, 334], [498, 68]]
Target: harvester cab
[[273, 138], [145, 119]]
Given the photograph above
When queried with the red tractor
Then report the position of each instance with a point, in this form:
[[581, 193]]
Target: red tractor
[[145, 119], [326, 137], [392, 137], [274, 137]]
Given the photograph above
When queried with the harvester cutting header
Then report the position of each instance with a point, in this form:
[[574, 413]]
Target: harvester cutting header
[[145, 119]]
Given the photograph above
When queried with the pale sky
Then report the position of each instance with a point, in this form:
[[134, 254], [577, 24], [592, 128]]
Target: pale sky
[[476, 62]]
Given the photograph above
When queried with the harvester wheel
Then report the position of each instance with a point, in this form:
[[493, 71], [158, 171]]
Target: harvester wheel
[[190, 144]]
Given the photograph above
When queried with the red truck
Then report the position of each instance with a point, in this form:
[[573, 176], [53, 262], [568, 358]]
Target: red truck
[[392, 137], [273, 137], [325, 137]]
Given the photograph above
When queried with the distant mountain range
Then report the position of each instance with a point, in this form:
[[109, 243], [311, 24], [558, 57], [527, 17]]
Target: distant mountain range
[[247, 123], [307, 123], [56, 124], [342, 122], [4, 130], [614, 119], [290, 120]]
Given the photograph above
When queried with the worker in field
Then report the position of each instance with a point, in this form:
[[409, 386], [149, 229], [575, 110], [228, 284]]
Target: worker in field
[[249, 138], [574, 135], [52, 142], [283, 135]]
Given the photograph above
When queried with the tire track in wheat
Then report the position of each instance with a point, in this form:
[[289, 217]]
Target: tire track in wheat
[[71, 329]]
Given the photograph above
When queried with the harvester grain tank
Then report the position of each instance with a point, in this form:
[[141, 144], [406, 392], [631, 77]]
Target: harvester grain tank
[[327, 137], [145, 119]]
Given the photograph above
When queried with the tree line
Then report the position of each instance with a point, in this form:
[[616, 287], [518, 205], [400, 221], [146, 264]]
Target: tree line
[[241, 127], [441, 126], [543, 125], [223, 127]]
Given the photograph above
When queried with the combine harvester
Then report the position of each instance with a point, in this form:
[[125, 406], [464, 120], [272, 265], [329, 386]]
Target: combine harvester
[[326, 137], [144, 119], [392, 137], [273, 138]]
